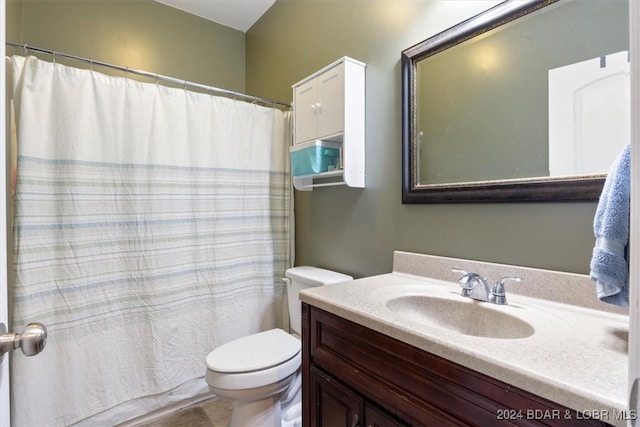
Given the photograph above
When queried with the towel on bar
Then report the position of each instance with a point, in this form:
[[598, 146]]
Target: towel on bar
[[609, 264]]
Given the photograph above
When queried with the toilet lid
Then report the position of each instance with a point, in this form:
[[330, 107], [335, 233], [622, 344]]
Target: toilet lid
[[254, 352], [315, 276]]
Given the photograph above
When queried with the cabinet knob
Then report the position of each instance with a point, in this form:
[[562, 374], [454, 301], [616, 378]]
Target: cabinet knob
[[317, 108]]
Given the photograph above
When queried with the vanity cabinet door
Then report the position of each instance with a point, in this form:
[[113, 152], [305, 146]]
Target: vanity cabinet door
[[335, 404], [374, 417]]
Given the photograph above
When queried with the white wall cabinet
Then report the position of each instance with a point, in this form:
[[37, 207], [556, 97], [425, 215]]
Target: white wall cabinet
[[329, 105], [319, 111]]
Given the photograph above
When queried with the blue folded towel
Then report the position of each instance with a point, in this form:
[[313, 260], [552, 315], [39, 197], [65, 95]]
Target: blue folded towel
[[609, 264]]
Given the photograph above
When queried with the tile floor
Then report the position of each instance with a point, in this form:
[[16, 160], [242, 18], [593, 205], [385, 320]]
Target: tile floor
[[210, 413]]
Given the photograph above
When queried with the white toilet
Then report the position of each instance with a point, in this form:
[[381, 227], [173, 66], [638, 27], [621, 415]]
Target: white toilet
[[261, 372]]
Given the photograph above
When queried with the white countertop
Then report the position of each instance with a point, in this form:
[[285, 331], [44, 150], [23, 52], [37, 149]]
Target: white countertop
[[576, 357]]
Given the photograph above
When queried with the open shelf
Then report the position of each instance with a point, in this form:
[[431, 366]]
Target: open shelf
[[324, 179]]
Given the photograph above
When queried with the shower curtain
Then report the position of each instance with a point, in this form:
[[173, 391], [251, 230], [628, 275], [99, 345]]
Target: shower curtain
[[151, 226]]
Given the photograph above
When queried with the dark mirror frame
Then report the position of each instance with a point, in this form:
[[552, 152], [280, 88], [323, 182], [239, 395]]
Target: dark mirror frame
[[578, 188]]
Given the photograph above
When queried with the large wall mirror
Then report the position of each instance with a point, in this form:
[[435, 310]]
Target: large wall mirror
[[528, 101]]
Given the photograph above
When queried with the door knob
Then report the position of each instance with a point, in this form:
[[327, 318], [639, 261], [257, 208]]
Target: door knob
[[31, 341]]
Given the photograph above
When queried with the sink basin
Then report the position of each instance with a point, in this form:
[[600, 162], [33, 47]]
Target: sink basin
[[465, 316]]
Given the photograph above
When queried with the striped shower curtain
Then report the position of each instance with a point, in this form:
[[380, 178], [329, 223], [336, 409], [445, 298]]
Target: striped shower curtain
[[151, 225]]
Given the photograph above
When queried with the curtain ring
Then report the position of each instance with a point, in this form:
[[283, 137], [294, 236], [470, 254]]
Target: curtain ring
[[25, 50], [53, 53]]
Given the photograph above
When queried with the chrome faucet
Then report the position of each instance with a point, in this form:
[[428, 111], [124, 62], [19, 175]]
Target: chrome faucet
[[473, 285], [476, 287]]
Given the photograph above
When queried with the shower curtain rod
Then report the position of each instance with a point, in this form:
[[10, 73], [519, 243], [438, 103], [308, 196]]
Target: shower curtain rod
[[155, 76]]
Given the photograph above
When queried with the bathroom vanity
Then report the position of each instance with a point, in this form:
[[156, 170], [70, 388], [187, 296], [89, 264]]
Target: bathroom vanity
[[369, 358]]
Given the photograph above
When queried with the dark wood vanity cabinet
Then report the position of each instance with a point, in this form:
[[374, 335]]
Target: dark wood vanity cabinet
[[338, 405], [354, 376]]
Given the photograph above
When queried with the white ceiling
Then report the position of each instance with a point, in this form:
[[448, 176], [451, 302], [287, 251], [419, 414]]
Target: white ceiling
[[237, 14]]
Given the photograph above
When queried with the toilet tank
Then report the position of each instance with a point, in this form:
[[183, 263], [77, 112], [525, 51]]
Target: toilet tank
[[307, 277]]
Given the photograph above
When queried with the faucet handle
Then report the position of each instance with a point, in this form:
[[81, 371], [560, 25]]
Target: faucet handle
[[497, 293], [464, 278], [464, 281], [507, 278], [468, 280]]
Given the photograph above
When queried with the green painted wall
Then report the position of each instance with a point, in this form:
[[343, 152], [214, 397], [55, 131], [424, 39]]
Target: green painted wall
[[140, 34], [350, 230], [357, 230], [13, 18]]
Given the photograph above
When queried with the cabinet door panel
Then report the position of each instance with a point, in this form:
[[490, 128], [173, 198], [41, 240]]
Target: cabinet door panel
[[335, 405], [306, 98], [376, 418], [331, 100]]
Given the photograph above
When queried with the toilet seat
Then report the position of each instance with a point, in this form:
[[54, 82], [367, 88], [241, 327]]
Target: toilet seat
[[254, 361], [254, 352]]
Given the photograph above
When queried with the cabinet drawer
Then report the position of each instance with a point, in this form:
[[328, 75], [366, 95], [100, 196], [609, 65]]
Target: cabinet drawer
[[417, 386]]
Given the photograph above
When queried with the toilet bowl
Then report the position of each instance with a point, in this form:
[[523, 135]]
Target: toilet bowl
[[261, 372], [254, 371]]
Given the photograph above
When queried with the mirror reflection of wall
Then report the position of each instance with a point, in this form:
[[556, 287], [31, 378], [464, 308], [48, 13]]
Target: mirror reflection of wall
[[589, 114], [482, 106]]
